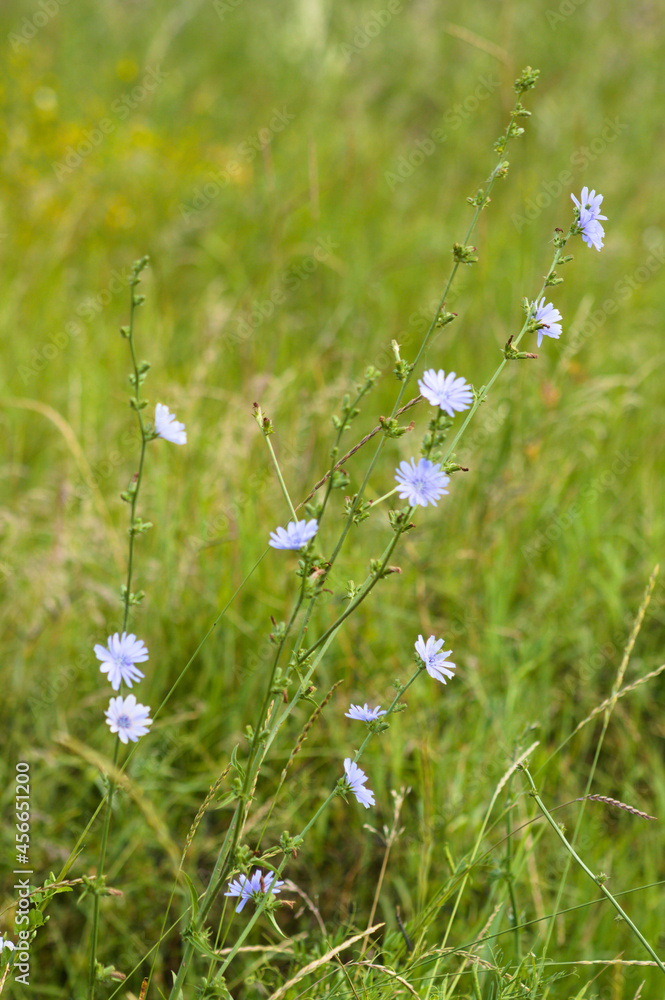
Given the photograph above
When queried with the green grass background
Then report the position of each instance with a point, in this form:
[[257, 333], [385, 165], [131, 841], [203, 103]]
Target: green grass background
[[571, 444]]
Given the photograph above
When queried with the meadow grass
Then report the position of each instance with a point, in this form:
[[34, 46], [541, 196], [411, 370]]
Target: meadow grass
[[534, 568]]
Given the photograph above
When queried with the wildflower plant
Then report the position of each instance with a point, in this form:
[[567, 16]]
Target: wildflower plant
[[355, 779], [250, 859], [587, 212], [253, 888], [434, 660], [126, 717]]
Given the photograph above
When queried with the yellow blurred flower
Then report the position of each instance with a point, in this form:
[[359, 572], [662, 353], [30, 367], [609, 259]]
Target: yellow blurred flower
[[127, 69]]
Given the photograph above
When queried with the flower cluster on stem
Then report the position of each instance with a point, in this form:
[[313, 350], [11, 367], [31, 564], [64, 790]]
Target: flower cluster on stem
[[420, 483], [126, 717]]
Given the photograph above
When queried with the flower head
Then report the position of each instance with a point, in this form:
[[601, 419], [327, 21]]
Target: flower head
[[422, 483], [128, 718], [589, 215], [254, 887], [168, 427], [589, 204], [435, 662], [356, 779], [6, 943], [119, 658], [449, 392], [548, 318], [593, 234], [364, 713], [296, 535]]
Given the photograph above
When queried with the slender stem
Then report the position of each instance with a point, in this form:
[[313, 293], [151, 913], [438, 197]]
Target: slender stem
[[134, 495], [392, 837], [367, 587], [385, 496], [637, 624], [324, 805], [255, 758], [234, 830], [92, 974], [75, 850], [597, 880], [356, 447], [482, 394], [469, 867], [273, 456], [423, 347], [509, 873]]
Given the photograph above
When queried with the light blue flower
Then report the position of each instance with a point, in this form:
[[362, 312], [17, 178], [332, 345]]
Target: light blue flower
[[254, 887], [450, 392], [435, 662], [296, 535], [356, 778], [422, 483], [6, 943], [548, 318], [128, 718], [364, 713], [589, 218], [593, 233], [167, 427], [589, 204], [119, 659]]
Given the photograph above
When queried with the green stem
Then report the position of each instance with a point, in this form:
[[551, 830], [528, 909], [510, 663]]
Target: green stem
[[594, 878], [256, 758], [235, 828], [423, 347], [469, 868], [324, 805], [136, 487], [509, 873], [273, 456], [637, 624]]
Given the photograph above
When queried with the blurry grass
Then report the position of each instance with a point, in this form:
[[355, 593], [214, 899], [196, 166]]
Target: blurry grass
[[537, 639]]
